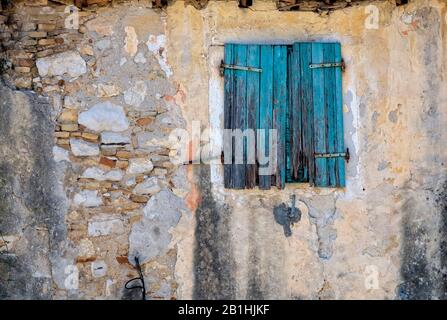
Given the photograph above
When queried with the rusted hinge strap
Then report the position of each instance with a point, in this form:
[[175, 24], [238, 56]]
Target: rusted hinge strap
[[345, 155], [328, 65], [224, 66]]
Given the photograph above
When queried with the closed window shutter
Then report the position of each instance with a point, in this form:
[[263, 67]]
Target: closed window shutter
[[238, 98], [256, 100], [303, 104], [317, 97]]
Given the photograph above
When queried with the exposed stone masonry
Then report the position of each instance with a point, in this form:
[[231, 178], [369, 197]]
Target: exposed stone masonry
[[111, 136]]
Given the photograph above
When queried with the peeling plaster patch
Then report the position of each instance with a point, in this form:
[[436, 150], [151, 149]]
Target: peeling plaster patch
[[322, 214], [351, 100], [351, 134], [103, 25], [216, 100], [157, 45], [131, 41]]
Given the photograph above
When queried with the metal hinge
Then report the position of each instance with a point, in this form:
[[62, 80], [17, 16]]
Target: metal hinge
[[328, 65], [224, 66], [345, 155]]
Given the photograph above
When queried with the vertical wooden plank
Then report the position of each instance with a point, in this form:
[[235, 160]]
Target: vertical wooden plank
[[280, 94], [240, 110], [329, 90], [307, 112], [228, 107], [253, 81], [320, 129], [294, 134], [289, 122], [265, 106], [339, 138]]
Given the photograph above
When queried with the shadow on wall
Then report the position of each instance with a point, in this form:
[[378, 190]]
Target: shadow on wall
[[423, 277], [213, 261]]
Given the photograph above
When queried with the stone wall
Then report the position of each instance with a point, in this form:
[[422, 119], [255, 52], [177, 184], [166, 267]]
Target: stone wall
[[87, 185], [112, 105]]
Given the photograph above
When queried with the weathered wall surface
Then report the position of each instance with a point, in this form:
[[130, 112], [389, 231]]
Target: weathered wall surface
[[117, 87]]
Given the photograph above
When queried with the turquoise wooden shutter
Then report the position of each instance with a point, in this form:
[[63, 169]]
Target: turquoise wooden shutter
[[325, 147], [317, 114], [296, 90], [256, 100], [328, 116], [241, 100]]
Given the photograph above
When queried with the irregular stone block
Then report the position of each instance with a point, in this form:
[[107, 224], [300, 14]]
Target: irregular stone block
[[99, 268], [153, 139], [139, 165], [104, 227], [107, 90], [68, 116], [81, 148], [87, 198], [86, 250], [69, 62], [111, 163], [149, 186], [70, 127], [114, 138], [60, 154], [98, 174], [104, 116], [138, 198]]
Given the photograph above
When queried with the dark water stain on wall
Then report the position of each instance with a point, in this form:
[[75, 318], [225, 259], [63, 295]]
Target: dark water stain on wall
[[415, 272], [32, 207], [441, 201], [423, 267], [213, 257], [424, 258], [254, 286]]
